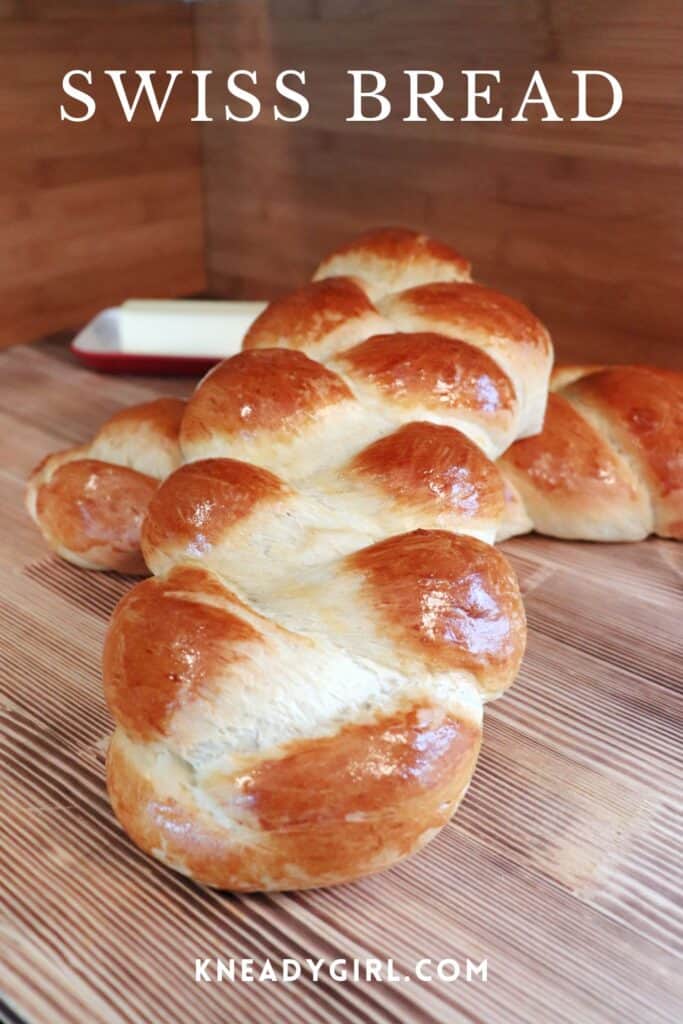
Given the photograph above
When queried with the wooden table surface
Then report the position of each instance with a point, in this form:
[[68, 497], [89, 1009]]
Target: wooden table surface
[[562, 868]]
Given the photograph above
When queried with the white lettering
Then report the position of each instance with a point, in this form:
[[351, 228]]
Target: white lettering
[[473, 94], [543, 98], [242, 94], [617, 96], [291, 94], [201, 77], [360, 93], [418, 95], [145, 87], [77, 94]]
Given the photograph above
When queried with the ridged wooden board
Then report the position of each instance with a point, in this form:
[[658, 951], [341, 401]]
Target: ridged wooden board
[[562, 867]]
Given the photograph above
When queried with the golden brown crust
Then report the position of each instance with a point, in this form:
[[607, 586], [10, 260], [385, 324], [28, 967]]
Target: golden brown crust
[[168, 641], [472, 306], [568, 482], [89, 502], [608, 464], [642, 407], [144, 437], [162, 415], [567, 373], [569, 458], [454, 599], [381, 789], [438, 372], [94, 511], [318, 319], [197, 504], [260, 390], [398, 244], [362, 769], [387, 256], [430, 466], [191, 673], [493, 322], [315, 726]]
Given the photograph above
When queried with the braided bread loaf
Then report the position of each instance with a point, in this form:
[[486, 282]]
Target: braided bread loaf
[[500, 352], [350, 458], [299, 689], [608, 464], [302, 727], [470, 360]]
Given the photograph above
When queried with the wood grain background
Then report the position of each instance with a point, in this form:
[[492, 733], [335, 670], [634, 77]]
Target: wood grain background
[[583, 221], [96, 212], [562, 866]]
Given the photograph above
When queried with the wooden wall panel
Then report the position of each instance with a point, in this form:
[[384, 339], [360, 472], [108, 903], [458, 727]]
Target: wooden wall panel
[[583, 221], [94, 212]]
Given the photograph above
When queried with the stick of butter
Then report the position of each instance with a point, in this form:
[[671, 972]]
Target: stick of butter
[[185, 327]]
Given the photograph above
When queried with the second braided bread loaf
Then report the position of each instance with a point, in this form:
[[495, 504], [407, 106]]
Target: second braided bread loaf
[[608, 464]]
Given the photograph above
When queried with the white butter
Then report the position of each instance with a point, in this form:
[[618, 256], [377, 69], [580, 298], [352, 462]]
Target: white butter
[[185, 327]]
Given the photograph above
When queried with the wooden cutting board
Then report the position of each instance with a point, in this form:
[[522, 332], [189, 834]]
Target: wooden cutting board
[[562, 868]]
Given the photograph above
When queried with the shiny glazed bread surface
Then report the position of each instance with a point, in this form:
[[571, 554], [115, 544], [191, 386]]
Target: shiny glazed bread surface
[[324, 375], [394, 281], [306, 728], [89, 502], [608, 464], [298, 690]]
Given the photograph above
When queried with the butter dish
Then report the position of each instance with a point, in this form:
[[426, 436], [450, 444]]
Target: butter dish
[[164, 336]]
